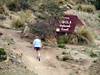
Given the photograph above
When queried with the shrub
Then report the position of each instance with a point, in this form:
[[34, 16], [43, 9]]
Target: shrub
[[82, 37], [92, 54], [17, 24], [43, 29], [25, 4], [1, 9], [62, 40], [69, 39], [72, 39], [99, 15], [2, 54], [46, 9], [17, 5], [13, 5], [26, 16], [61, 45], [85, 36]]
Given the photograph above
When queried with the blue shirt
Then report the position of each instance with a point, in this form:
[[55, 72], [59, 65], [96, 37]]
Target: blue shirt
[[37, 43]]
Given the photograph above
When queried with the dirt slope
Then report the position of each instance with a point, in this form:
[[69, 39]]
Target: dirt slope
[[48, 65]]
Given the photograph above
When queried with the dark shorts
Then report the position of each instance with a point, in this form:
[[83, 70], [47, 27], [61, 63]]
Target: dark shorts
[[37, 48]]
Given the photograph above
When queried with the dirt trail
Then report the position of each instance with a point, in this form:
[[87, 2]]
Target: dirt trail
[[48, 65]]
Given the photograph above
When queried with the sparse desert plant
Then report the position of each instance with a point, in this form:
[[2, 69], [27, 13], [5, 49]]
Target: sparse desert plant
[[69, 39], [17, 5], [62, 39], [43, 29], [92, 54], [26, 15], [1, 9], [84, 35], [99, 15], [64, 56], [2, 54], [23, 17], [86, 8], [45, 9], [13, 5], [61, 45], [17, 24], [72, 39]]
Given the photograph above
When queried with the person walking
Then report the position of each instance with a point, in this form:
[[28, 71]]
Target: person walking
[[37, 44]]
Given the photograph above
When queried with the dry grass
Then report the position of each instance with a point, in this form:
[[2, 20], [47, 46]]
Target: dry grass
[[86, 34], [23, 17], [1, 10], [86, 8], [17, 24], [26, 15], [82, 37]]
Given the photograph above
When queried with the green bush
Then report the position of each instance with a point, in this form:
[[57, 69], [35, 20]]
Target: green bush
[[62, 40], [2, 54], [61, 45], [69, 39]]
